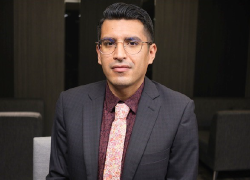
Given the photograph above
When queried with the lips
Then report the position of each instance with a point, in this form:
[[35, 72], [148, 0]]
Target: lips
[[120, 68]]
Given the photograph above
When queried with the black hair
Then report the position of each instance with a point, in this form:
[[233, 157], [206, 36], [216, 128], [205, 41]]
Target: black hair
[[129, 12]]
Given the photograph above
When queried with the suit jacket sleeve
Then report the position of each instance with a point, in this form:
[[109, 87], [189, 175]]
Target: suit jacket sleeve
[[183, 162], [58, 158]]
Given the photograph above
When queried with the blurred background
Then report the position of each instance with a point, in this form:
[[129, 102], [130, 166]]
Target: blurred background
[[203, 50]]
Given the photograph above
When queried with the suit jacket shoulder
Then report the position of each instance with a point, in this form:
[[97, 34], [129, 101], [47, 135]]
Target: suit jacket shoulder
[[168, 98], [80, 94], [169, 94]]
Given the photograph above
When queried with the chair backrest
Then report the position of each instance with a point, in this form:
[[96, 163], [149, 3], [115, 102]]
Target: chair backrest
[[205, 108], [17, 130], [41, 157], [21, 105], [229, 141]]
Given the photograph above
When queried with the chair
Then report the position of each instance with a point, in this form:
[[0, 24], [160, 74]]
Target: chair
[[17, 130], [41, 157], [226, 146]]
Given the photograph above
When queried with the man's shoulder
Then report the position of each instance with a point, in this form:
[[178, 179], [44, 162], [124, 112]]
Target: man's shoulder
[[83, 91], [168, 94], [171, 101], [87, 87]]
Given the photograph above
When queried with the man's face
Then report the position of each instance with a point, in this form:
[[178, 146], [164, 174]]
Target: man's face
[[120, 68]]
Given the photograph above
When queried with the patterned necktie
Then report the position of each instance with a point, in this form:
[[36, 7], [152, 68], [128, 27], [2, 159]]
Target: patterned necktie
[[112, 168]]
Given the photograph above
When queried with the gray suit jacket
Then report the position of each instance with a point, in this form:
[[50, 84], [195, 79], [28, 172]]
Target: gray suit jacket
[[163, 144]]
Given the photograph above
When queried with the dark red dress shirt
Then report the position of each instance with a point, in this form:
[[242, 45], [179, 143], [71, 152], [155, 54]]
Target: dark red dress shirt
[[107, 119]]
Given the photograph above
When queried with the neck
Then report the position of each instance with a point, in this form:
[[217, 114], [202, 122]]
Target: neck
[[123, 92]]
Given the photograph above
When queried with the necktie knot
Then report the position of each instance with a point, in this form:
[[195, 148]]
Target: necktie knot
[[121, 111]]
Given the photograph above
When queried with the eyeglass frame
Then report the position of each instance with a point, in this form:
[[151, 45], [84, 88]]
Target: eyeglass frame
[[98, 44]]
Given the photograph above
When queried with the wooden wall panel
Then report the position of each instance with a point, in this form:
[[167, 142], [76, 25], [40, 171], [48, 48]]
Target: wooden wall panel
[[247, 92], [175, 36], [91, 12], [6, 49], [221, 48], [39, 52]]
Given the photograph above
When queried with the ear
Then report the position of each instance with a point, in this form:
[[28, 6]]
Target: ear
[[152, 53], [98, 55]]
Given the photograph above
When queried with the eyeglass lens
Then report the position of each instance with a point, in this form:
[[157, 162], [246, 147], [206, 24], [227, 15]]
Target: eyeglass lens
[[107, 46]]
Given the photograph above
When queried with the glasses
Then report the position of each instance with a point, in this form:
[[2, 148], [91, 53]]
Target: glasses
[[131, 45]]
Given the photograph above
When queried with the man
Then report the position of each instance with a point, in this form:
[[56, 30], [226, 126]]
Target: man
[[127, 127]]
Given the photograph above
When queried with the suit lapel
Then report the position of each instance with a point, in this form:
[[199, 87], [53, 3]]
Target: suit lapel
[[148, 109], [92, 117]]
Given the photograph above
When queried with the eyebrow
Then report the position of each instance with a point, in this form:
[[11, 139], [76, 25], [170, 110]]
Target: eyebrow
[[108, 38], [133, 38], [126, 38]]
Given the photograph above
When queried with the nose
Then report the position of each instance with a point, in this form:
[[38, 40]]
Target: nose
[[119, 53]]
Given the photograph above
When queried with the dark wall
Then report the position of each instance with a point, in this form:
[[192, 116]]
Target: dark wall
[[222, 48], [39, 53], [32, 52], [72, 13], [6, 48], [175, 37]]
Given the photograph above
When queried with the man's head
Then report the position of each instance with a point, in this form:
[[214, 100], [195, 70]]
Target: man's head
[[125, 48], [128, 12]]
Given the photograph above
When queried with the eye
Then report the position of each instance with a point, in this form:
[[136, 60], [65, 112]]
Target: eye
[[107, 43], [132, 43]]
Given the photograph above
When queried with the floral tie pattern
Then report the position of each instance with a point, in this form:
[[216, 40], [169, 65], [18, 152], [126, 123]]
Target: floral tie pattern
[[112, 168]]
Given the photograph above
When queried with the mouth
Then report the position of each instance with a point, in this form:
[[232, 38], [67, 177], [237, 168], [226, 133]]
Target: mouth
[[120, 68]]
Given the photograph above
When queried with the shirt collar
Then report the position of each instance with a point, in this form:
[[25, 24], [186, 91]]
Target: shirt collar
[[132, 102]]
